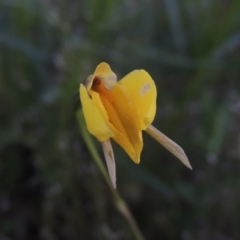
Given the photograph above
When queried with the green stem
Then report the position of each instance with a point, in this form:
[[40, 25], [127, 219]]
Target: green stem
[[118, 201]]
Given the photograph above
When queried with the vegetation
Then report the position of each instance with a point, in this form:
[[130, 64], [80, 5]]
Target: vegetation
[[50, 186]]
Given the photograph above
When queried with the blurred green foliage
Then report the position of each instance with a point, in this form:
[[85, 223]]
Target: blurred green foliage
[[50, 187]]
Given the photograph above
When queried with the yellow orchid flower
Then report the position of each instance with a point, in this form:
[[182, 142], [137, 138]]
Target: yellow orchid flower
[[121, 110]]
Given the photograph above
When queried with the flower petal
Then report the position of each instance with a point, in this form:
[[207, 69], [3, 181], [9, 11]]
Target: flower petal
[[142, 92], [96, 124], [127, 145], [97, 102], [119, 132], [123, 110], [110, 160], [105, 74], [171, 146]]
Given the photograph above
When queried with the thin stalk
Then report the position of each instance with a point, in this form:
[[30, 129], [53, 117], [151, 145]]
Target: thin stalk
[[118, 201]]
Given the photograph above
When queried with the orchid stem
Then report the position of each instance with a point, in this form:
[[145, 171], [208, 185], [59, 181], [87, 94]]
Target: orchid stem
[[118, 201]]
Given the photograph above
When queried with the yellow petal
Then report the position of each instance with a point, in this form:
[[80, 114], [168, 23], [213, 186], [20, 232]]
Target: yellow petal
[[142, 92], [122, 111], [110, 160], [96, 124], [104, 73], [121, 122], [171, 146], [97, 102], [126, 145], [116, 126]]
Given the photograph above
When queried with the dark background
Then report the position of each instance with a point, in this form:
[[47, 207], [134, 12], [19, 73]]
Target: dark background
[[50, 188]]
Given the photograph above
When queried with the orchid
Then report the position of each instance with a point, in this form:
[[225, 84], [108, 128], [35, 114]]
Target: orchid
[[121, 110]]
